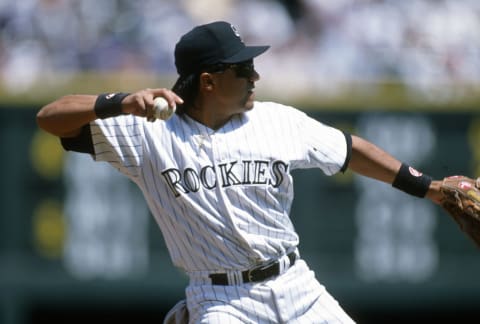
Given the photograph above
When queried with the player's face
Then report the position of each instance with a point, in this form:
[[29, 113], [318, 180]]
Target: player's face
[[235, 86]]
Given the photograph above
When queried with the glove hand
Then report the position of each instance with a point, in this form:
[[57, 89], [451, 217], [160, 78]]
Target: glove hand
[[461, 200]]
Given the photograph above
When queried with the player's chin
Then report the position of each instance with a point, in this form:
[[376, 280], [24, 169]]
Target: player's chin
[[248, 105], [250, 100]]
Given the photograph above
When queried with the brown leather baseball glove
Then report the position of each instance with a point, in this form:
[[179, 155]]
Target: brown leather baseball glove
[[462, 202]]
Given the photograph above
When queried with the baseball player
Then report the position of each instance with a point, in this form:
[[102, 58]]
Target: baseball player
[[217, 178]]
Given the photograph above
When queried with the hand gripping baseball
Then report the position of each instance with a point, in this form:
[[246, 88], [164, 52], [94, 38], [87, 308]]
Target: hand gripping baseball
[[146, 103], [462, 202]]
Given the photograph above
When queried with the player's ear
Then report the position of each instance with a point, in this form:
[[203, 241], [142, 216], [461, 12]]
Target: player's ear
[[207, 81]]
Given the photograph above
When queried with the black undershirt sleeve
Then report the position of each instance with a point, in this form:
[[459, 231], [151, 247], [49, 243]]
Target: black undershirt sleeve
[[81, 143], [348, 138]]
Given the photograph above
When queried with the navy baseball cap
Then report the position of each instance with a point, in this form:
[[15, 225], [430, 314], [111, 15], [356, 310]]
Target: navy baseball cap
[[209, 44]]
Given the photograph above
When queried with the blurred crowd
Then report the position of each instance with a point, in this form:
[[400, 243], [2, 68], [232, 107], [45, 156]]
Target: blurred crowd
[[315, 43]]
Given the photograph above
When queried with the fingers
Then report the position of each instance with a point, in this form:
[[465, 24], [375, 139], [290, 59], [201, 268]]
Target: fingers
[[172, 98], [140, 103]]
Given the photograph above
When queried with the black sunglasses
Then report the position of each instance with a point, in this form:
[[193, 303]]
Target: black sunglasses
[[245, 69]]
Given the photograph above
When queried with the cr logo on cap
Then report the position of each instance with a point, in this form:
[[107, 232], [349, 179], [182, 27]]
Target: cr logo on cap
[[235, 31]]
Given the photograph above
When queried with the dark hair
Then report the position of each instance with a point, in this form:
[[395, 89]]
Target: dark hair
[[187, 89]]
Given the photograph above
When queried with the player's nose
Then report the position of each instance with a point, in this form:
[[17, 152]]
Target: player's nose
[[254, 76]]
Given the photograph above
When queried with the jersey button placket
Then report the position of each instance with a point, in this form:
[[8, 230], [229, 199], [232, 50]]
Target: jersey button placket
[[220, 155], [215, 140], [203, 145]]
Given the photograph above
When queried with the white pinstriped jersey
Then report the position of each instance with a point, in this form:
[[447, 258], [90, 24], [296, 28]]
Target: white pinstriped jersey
[[221, 198]]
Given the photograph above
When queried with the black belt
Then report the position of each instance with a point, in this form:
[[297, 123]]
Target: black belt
[[254, 275]]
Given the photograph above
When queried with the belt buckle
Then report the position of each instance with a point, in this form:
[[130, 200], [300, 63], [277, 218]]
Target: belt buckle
[[249, 275], [251, 272]]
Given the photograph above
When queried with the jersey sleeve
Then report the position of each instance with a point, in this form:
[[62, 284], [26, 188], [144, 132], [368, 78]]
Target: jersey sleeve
[[81, 143], [323, 146], [119, 141]]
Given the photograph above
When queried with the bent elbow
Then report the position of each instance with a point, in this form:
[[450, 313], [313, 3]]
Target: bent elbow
[[50, 120], [42, 119], [66, 116]]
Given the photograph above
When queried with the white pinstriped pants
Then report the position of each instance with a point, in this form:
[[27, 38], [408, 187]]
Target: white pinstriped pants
[[293, 297]]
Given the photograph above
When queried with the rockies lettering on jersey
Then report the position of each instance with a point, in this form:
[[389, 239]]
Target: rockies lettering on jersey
[[246, 172], [236, 184]]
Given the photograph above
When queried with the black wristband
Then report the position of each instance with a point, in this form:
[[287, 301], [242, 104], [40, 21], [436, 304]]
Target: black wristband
[[109, 105], [411, 181]]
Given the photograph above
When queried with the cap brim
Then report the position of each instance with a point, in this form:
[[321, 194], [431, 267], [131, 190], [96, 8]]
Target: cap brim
[[247, 53]]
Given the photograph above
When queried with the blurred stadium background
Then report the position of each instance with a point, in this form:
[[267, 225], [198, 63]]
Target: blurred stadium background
[[77, 244]]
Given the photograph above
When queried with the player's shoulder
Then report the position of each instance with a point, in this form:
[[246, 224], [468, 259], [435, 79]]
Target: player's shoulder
[[126, 124], [120, 121]]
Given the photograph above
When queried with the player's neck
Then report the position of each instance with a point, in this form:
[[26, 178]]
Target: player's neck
[[210, 112], [212, 118]]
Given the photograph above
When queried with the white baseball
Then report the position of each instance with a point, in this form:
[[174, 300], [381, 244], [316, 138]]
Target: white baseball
[[161, 108]]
